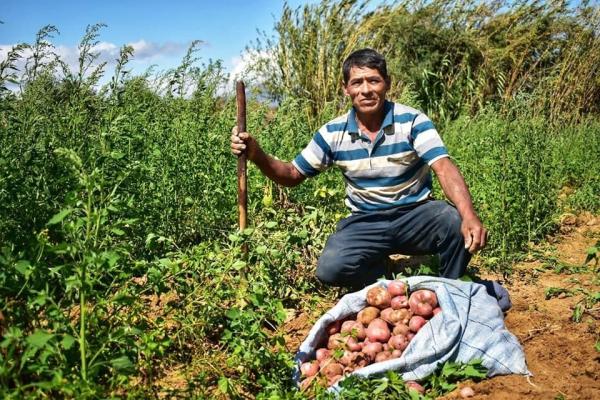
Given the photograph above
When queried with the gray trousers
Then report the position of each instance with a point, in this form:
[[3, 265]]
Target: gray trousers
[[354, 254]]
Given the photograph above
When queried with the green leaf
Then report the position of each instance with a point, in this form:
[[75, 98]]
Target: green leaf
[[117, 231], [67, 341], [23, 267], [39, 338], [223, 385], [122, 363], [59, 216], [271, 224], [262, 249], [238, 265]]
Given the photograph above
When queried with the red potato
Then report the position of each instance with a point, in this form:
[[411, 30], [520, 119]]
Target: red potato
[[437, 310], [347, 326], [399, 302], [383, 356], [354, 329], [378, 331], [396, 353], [332, 369], [367, 314], [467, 392], [371, 349], [305, 384], [334, 327], [309, 368], [410, 336], [346, 358], [398, 342], [322, 353], [397, 288], [412, 385], [378, 297], [396, 316], [326, 361], [400, 329], [351, 343], [334, 379], [335, 341], [422, 302], [416, 323]]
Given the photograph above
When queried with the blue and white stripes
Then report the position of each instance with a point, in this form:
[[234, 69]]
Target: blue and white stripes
[[390, 171]]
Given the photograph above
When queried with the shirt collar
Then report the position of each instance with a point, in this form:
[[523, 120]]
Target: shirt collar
[[388, 119]]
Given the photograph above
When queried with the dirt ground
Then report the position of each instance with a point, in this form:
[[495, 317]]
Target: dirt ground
[[560, 353]]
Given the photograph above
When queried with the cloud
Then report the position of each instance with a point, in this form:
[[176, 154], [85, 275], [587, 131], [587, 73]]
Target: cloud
[[144, 50], [242, 66], [145, 53]]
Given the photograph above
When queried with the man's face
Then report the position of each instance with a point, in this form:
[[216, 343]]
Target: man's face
[[367, 88]]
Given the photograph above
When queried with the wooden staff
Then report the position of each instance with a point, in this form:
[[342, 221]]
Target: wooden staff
[[241, 165]]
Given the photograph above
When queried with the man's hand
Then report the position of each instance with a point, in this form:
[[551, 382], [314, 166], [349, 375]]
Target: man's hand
[[283, 173], [243, 141], [474, 233]]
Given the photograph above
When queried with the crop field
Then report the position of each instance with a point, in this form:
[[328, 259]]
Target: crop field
[[122, 269]]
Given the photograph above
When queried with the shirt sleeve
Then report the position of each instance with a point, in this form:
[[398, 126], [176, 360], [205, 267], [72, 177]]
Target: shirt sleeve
[[426, 140], [315, 157]]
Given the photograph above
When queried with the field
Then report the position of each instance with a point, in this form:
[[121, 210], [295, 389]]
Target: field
[[122, 270]]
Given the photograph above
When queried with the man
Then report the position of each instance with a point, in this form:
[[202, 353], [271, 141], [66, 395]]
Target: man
[[385, 151]]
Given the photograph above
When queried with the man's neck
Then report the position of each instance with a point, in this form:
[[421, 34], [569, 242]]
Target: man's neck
[[370, 123]]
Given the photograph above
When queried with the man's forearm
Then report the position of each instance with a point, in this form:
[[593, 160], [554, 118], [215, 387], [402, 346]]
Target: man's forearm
[[283, 173], [455, 187]]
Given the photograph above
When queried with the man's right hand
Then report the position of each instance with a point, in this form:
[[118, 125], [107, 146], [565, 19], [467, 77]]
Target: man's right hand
[[241, 142]]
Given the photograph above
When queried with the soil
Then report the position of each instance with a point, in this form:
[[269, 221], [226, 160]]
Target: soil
[[560, 353]]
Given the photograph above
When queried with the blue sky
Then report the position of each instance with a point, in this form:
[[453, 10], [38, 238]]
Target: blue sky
[[160, 30]]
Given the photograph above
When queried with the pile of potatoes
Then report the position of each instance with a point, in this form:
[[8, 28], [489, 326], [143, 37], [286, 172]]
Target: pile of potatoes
[[379, 332]]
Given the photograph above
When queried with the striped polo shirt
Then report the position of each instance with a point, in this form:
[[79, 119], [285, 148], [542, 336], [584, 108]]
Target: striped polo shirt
[[391, 171]]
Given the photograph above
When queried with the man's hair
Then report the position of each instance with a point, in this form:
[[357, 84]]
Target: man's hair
[[365, 58]]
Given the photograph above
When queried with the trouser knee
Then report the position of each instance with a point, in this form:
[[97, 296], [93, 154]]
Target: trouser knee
[[329, 268]]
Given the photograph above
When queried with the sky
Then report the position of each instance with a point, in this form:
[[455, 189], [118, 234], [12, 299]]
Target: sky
[[159, 31]]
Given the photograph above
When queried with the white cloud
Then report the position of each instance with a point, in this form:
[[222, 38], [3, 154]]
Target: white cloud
[[241, 66], [145, 54]]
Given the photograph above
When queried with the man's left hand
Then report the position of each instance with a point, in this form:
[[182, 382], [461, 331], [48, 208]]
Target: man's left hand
[[474, 233]]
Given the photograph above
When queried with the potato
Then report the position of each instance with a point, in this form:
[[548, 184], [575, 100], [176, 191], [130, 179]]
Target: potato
[[467, 392], [334, 327], [368, 314], [383, 356], [378, 297], [416, 323], [335, 341], [378, 331], [422, 302], [396, 316], [371, 349], [412, 385], [400, 329], [309, 368], [351, 343], [399, 302], [332, 369], [397, 288], [322, 353], [354, 329], [334, 379], [398, 342]]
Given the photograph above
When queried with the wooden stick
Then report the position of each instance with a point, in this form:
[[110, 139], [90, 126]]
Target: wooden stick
[[241, 165]]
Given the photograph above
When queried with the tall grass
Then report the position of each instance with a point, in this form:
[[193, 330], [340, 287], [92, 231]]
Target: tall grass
[[457, 56]]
